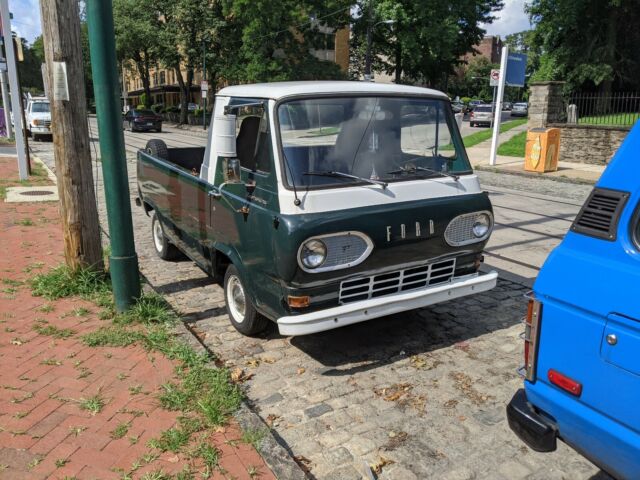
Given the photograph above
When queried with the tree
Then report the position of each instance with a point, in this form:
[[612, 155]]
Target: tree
[[591, 44], [428, 37], [30, 69], [276, 40], [136, 25]]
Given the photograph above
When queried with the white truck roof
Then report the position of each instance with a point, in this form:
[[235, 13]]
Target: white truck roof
[[278, 90]]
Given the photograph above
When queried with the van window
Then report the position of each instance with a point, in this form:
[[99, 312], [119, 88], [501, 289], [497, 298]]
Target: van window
[[40, 107], [253, 142]]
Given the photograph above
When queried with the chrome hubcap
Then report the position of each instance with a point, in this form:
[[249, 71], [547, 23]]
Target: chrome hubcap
[[236, 299], [158, 236]]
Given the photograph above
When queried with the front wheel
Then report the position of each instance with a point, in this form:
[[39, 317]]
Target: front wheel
[[164, 249], [243, 315]]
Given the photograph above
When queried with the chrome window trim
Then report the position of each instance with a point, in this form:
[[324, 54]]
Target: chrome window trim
[[472, 240], [358, 261]]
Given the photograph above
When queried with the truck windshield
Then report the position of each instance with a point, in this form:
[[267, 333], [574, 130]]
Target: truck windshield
[[40, 107], [386, 139]]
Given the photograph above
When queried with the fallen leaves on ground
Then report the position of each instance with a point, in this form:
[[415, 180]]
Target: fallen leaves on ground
[[238, 375], [401, 394], [380, 464], [396, 439], [464, 383]]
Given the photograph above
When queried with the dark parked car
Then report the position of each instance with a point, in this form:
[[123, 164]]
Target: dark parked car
[[507, 106], [142, 120], [520, 109]]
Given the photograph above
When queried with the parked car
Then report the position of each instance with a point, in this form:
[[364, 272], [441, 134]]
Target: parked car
[[520, 109], [458, 107], [38, 117], [348, 213], [142, 120], [473, 104], [481, 115], [582, 339], [507, 106]]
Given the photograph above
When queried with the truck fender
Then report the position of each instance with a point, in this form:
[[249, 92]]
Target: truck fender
[[230, 255]]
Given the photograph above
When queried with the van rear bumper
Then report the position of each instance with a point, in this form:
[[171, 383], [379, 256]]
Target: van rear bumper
[[531, 427], [378, 307]]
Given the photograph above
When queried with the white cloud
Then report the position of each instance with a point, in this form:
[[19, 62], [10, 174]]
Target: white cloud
[[511, 19], [26, 18]]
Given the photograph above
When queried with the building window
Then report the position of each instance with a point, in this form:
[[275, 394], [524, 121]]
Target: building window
[[162, 77]]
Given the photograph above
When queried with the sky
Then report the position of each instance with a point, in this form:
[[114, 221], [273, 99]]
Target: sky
[[511, 19], [26, 18]]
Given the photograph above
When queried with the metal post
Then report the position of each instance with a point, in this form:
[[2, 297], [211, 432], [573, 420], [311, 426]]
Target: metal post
[[12, 67], [498, 113], [367, 58], [6, 103], [204, 77], [123, 261]]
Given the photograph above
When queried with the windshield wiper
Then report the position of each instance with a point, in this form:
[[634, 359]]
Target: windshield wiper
[[332, 173], [423, 169]]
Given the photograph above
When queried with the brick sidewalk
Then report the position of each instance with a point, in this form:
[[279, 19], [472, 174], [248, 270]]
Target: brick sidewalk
[[48, 378]]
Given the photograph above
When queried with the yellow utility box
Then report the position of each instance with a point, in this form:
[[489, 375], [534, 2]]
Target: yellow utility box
[[542, 150]]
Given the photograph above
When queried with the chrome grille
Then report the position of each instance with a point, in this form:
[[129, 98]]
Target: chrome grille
[[413, 278], [460, 229], [343, 249]]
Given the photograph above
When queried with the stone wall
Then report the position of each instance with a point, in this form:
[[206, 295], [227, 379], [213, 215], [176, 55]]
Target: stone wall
[[578, 143], [589, 144]]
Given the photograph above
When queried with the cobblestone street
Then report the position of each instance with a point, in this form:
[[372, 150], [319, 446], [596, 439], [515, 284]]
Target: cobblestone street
[[417, 395]]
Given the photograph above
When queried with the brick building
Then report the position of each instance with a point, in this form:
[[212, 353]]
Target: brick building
[[489, 47]]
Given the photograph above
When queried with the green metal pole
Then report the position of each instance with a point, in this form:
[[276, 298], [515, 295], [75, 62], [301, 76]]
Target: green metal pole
[[123, 262]]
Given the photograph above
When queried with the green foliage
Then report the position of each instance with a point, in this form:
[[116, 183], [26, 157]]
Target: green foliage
[[144, 100], [93, 404], [112, 336], [588, 43], [427, 39], [53, 331], [30, 71], [63, 282]]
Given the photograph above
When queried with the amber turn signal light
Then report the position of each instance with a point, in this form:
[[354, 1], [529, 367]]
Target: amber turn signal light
[[298, 302]]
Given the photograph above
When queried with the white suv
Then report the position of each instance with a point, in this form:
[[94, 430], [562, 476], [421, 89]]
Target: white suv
[[38, 116]]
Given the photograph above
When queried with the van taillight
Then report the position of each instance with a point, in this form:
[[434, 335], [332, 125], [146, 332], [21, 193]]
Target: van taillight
[[531, 335]]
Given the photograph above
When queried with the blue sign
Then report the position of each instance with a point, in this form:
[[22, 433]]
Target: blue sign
[[516, 67]]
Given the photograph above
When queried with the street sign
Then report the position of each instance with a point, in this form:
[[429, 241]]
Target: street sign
[[516, 67], [204, 85], [204, 93], [494, 78]]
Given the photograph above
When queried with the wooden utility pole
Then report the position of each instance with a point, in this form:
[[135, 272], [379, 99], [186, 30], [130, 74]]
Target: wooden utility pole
[[63, 54]]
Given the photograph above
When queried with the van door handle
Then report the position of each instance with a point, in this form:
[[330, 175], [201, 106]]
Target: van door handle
[[215, 193]]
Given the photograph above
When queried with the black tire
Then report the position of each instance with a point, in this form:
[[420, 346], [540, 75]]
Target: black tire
[[249, 322], [471, 124], [164, 249], [157, 148], [159, 129]]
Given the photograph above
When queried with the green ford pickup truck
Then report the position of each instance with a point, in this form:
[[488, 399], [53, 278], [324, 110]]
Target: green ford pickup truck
[[321, 204]]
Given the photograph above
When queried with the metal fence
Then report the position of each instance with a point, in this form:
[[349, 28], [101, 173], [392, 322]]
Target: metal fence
[[594, 108]]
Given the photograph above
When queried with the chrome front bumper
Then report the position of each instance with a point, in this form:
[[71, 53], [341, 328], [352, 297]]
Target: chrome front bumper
[[378, 307]]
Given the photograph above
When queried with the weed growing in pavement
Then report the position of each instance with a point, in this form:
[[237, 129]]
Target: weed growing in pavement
[[205, 395], [120, 431], [11, 282], [51, 362], [156, 475], [133, 439], [77, 430], [46, 308], [254, 436], [93, 404], [25, 222], [53, 331], [61, 462], [80, 312], [35, 462]]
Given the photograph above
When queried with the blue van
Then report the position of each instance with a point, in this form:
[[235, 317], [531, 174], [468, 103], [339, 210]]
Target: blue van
[[582, 337]]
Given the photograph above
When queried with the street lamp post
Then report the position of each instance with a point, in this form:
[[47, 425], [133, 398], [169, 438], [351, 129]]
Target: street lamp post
[[367, 58], [204, 78]]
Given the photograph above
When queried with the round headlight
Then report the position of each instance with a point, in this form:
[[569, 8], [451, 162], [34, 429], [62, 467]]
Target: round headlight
[[481, 225], [314, 253]]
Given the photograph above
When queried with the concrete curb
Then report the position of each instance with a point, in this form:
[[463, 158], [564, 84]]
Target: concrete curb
[[578, 181], [50, 174], [276, 456]]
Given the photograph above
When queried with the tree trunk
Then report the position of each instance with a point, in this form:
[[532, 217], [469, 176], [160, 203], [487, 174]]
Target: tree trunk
[[142, 65], [80, 225], [398, 62], [184, 96]]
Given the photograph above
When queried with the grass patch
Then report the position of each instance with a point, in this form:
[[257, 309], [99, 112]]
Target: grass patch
[[254, 437], [120, 431], [172, 440], [25, 222], [483, 135], [112, 336], [63, 282], [617, 119], [93, 404], [515, 146], [53, 331], [7, 141]]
